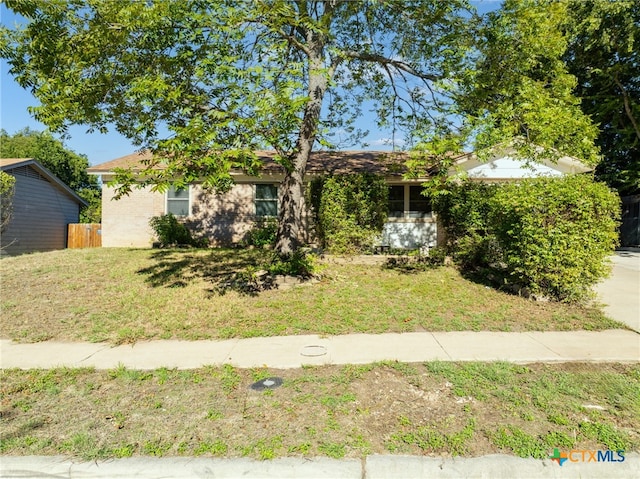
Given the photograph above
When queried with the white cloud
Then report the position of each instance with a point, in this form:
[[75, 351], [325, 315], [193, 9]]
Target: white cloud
[[387, 142]]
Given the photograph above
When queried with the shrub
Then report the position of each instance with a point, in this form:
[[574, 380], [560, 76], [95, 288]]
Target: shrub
[[350, 211], [263, 233], [556, 233], [463, 211], [170, 232], [298, 264], [549, 235], [7, 185]]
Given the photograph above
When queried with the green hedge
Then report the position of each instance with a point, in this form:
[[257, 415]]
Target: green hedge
[[549, 235], [350, 211]]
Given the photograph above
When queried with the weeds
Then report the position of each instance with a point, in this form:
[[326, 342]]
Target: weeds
[[215, 448], [186, 294], [519, 442], [333, 411]]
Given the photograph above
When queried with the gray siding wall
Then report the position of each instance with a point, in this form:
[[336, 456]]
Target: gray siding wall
[[41, 213]]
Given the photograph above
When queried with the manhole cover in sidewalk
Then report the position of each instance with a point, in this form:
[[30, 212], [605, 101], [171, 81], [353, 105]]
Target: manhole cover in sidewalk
[[313, 350], [269, 383]]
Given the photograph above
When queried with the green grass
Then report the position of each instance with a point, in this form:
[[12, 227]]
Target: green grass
[[329, 411], [126, 295]]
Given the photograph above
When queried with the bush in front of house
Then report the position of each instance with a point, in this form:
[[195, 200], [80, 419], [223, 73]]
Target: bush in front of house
[[350, 211], [7, 186], [263, 233], [550, 236], [556, 233], [463, 211], [170, 232]]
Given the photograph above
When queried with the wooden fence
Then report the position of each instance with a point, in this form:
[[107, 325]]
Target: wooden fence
[[84, 235]]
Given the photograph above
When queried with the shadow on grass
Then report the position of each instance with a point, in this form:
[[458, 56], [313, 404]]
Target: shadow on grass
[[22, 431], [412, 264], [224, 269]]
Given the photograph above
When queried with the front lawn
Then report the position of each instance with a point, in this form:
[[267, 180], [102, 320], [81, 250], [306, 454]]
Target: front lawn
[[435, 408], [125, 295]]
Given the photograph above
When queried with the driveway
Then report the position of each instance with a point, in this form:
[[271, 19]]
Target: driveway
[[621, 291]]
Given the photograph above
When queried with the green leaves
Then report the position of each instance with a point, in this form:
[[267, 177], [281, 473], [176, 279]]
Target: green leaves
[[67, 165], [603, 54], [521, 92], [7, 183], [350, 210], [549, 235], [233, 74]]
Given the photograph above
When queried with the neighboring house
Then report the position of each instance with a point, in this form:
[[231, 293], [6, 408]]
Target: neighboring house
[[226, 218], [43, 207]]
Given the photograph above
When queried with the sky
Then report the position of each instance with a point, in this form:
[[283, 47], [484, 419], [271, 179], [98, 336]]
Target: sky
[[15, 101]]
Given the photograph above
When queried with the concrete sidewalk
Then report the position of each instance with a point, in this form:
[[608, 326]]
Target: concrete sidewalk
[[295, 351], [620, 292], [372, 467]]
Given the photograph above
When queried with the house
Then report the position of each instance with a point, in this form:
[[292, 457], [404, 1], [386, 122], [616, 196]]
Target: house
[[226, 218], [43, 207]]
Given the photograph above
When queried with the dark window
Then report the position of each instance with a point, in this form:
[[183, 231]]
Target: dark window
[[396, 201], [419, 205], [266, 200]]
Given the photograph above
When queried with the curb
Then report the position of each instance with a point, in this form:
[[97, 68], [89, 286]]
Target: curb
[[371, 467]]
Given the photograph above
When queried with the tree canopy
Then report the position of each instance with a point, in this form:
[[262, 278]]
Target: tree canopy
[[604, 55], [203, 84], [66, 164], [521, 90]]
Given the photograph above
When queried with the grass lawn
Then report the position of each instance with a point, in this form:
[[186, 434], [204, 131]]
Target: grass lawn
[[434, 408], [126, 295]]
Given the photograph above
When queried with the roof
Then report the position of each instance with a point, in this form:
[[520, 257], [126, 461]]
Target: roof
[[320, 162], [564, 164], [8, 164], [385, 163]]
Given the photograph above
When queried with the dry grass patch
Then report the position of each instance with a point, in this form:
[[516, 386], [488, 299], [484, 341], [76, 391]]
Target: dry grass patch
[[125, 295], [441, 409]]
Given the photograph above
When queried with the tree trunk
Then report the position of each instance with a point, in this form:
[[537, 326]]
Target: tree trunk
[[290, 211]]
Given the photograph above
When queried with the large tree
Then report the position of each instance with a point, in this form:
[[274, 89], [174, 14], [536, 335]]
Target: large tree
[[604, 54], [204, 83], [521, 91], [66, 164]]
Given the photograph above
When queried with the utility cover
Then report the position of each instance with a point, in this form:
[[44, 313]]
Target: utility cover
[[269, 383]]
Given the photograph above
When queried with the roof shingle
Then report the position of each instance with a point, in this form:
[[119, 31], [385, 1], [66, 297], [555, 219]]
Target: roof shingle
[[320, 162]]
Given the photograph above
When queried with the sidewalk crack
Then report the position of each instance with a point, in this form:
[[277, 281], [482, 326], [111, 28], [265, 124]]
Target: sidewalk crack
[[441, 347], [544, 345], [95, 352]]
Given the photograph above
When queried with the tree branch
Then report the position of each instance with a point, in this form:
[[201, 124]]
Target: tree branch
[[382, 60], [294, 41], [627, 106]]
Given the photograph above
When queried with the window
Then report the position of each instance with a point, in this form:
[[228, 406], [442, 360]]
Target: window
[[266, 200], [396, 201], [419, 205], [178, 201], [407, 201]]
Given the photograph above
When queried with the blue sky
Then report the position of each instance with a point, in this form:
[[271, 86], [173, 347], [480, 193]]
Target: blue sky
[[15, 101]]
